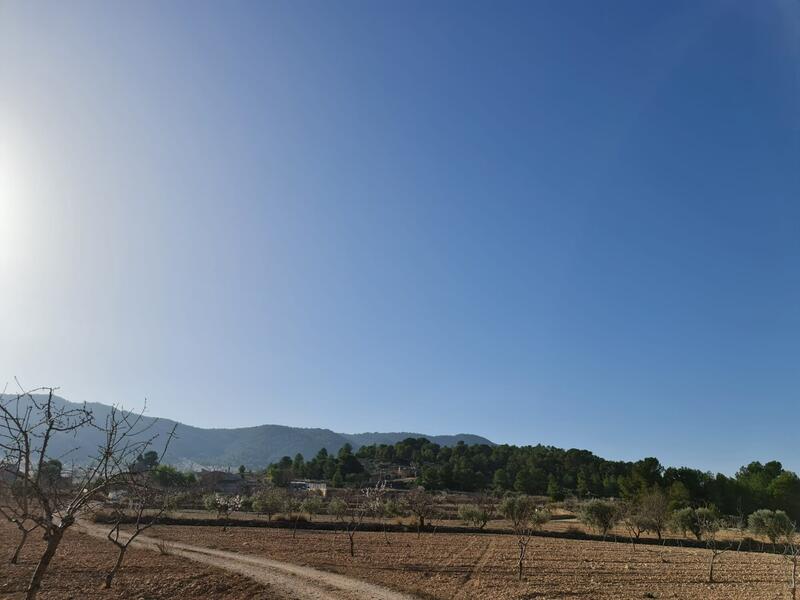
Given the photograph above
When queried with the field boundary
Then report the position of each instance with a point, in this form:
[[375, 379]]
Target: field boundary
[[748, 544]]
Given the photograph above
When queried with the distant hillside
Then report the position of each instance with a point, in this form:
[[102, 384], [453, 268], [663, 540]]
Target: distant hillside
[[368, 439], [254, 447]]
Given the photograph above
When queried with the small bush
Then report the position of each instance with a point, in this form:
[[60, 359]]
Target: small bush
[[164, 547], [472, 514]]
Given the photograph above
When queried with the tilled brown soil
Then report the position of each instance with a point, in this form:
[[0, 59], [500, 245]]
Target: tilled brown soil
[[459, 566], [79, 567]]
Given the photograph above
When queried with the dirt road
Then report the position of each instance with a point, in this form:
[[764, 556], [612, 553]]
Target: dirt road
[[293, 582]]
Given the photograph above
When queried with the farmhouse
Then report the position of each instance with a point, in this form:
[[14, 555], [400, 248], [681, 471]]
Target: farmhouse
[[319, 487], [223, 482]]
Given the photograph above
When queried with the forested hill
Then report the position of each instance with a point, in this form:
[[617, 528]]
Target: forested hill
[[255, 447], [546, 470]]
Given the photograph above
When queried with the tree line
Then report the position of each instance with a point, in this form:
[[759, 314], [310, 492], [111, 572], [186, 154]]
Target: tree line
[[555, 472]]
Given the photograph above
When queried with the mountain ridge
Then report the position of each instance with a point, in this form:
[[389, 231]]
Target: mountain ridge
[[253, 446]]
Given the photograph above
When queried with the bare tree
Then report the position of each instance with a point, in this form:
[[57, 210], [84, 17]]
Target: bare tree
[[142, 497], [791, 553], [140, 494], [422, 505], [635, 522], [526, 519], [16, 506], [379, 507], [709, 525], [350, 512], [654, 510], [29, 423]]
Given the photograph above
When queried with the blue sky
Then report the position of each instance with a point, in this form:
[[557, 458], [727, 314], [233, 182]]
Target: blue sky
[[574, 223]]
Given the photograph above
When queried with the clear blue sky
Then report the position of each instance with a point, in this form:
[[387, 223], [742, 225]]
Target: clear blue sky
[[574, 223]]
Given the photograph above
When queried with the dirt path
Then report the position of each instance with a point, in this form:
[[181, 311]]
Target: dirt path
[[294, 582]]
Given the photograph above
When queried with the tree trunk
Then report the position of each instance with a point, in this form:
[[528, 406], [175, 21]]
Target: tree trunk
[[521, 560], [110, 575], [386, 534], [711, 568], [15, 558], [53, 540], [352, 549]]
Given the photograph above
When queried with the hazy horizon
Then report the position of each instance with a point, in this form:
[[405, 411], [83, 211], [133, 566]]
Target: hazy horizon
[[572, 223]]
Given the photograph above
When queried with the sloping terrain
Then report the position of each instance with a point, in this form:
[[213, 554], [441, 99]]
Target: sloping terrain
[[253, 447]]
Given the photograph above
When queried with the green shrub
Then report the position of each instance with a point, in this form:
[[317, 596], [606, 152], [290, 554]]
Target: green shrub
[[773, 524], [600, 515]]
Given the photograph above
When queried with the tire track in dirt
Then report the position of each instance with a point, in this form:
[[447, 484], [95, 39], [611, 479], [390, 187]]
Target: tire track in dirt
[[458, 554], [486, 556], [291, 581]]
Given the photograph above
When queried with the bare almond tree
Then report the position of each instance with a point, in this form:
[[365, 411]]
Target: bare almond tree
[[709, 524], [378, 508], [654, 508], [223, 505], [15, 507], [352, 510], [791, 553], [526, 519], [141, 494], [422, 505], [29, 423], [141, 497], [635, 522]]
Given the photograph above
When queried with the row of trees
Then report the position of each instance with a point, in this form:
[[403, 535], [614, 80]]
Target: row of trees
[[651, 512]]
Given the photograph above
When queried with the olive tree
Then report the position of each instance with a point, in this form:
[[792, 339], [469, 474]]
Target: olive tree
[[292, 506], [526, 518], [694, 520], [479, 513], [312, 505], [600, 515], [269, 502], [772, 524]]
